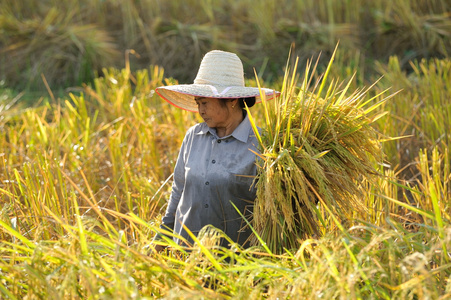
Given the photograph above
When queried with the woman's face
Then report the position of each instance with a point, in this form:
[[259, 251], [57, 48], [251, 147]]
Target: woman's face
[[215, 112]]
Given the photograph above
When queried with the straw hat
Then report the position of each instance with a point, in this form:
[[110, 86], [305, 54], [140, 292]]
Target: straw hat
[[220, 75]]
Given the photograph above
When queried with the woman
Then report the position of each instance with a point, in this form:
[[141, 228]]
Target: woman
[[216, 164]]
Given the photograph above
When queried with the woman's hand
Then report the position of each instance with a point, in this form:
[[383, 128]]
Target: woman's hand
[[154, 248], [158, 248]]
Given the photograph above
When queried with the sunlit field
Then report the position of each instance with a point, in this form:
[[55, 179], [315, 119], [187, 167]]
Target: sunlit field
[[86, 166]]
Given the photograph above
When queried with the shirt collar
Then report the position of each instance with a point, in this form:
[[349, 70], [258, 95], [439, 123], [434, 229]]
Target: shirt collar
[[240, 133]]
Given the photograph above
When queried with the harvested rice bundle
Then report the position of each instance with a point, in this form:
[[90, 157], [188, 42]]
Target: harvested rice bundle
[[314, 153]]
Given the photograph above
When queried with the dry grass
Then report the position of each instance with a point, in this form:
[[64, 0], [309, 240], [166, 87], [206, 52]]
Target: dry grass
[[69, 41]]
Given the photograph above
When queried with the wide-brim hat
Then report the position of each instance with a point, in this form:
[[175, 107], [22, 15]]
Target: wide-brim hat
[[220, 75]]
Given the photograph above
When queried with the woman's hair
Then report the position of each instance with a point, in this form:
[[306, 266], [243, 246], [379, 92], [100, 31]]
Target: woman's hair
[[250, 101]]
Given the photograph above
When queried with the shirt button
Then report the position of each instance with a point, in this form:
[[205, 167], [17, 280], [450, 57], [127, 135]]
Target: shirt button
[[206, 205], [207, 183], [219, 141], [213, 161]]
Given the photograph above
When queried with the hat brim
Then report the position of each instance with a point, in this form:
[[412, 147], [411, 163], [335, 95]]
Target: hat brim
[[182, 96]]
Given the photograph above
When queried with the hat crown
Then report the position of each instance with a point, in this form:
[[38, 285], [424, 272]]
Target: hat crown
[[220, 68]]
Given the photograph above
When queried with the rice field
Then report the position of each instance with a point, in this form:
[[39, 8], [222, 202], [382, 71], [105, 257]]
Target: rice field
[[84, 182], [85, 175]]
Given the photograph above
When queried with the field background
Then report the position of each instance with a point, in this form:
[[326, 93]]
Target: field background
[[87, 149]]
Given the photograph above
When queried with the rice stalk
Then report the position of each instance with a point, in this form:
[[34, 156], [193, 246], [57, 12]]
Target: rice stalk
[[316, 147], [112, 146], [422, 114]]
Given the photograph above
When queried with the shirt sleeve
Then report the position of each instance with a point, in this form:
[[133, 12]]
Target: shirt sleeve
[[178, 185]]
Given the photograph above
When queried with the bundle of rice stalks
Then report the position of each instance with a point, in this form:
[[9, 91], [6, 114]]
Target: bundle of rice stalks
[[316, 147], [55, 44]]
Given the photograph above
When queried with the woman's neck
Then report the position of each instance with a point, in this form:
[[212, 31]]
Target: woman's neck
[[228, 129]]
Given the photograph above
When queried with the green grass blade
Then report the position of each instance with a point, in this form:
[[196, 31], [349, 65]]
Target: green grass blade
[[17, 235]]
